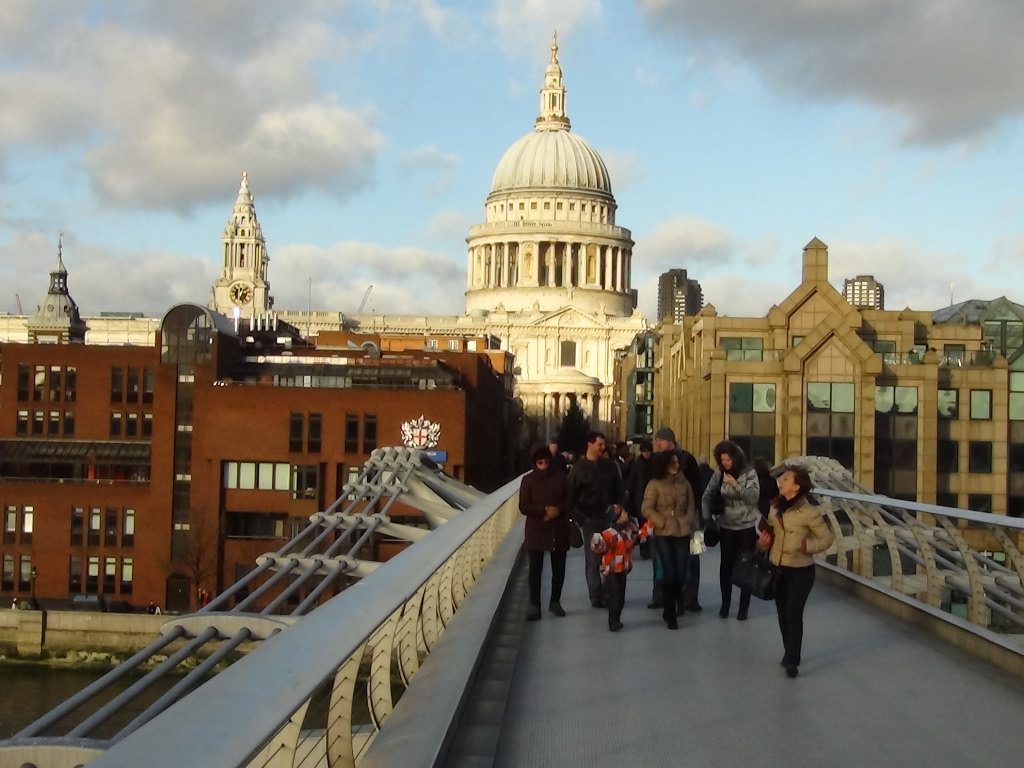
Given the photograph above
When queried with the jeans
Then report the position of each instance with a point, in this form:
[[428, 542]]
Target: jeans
[[732, 543], [537, 570], [614, 596], [592, 560], [674, 556], [790, 598]]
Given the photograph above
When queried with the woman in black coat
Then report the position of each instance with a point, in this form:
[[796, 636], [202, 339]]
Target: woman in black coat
[[544, 499]]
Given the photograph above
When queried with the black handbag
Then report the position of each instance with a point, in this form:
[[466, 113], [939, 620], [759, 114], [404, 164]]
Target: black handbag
[[575, 535], [753, 571], [712, 533]]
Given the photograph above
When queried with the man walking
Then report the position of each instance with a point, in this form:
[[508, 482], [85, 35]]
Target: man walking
[[596, 496]]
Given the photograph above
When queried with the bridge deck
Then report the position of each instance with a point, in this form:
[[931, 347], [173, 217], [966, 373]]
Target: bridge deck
[[872, 689]]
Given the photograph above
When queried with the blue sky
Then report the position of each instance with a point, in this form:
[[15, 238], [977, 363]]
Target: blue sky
[[734, 132]]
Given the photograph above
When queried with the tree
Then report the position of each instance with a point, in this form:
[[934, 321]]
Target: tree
[[572, 432]]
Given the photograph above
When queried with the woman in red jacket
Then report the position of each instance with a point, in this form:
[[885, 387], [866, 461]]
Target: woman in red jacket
[[544, 499]]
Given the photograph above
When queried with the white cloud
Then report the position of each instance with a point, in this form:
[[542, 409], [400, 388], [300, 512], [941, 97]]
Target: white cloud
[[625, 169], [161, 108], [521, 24], [949, 69], [449, 225]]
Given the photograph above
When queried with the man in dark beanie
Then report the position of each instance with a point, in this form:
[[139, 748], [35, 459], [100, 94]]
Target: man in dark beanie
[[665, 440]]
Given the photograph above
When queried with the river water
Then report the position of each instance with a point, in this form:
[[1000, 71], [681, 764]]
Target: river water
[[28, 691]]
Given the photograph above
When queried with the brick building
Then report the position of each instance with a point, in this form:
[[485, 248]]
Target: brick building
[[144, 473]]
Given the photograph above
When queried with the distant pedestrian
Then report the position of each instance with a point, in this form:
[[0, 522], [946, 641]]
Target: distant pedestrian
[[615, 547], [795, 530], [544, 500]]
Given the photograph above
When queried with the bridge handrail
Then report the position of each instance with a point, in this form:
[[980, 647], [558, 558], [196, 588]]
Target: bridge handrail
[[259, 703]]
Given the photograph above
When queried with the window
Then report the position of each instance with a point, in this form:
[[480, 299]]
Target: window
[[453, 345], [53, 424], [369, 433], [954, 354], [24, 374], [21, 427], [752, 419], [351, 433], [147, 385], [37, 422], [896, 441], [117, 385], [830, 421], [95, 520], [567, 354], [797, 340], [430, 344], [133, 385], [71, 384], [54, 384], [127, 575], [979, 502], [28, 515], [979, 456], [737, 348], [255, 525], [77, 526], [946, 499], [353, 477], [128, 528], [261, 476], [25, 574], [7, 579], [1016, 396], [947, 458], [295, 424], [147, 425], [75, 575], [116, 420], [109, 575], [132, 425], [10, 524], [39, 382], [92, 575], [981, 404], [69, 423], [110, 527], [305, 481], [314, 432]]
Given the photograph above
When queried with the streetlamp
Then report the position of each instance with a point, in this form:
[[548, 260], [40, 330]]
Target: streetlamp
[[35, 575]]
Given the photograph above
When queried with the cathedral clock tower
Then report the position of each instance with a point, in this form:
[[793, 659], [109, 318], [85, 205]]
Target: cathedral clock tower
[[243, 276]]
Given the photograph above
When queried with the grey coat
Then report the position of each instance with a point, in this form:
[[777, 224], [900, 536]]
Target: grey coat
[[740, 501]]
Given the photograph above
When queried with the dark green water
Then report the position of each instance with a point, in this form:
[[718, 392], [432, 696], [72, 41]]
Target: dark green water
[[28, 691]]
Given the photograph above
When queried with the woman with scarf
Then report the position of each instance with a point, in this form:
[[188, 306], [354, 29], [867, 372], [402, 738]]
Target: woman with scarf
[[544, 499], [737, 483], [794, 531]]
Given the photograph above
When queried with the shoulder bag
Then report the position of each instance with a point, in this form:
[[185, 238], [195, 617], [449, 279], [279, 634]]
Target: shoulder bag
[[575, 535], [754, 571]]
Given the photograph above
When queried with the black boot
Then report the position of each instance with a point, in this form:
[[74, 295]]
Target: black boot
[[669, 596]]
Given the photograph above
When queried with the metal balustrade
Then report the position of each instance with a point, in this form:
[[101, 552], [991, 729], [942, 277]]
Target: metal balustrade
[[313, 692], [930, 553]]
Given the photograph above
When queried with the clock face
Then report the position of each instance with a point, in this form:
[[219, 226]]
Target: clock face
[[240, 293]]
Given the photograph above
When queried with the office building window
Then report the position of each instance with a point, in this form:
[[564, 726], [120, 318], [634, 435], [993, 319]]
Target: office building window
[[946, 499], [127, 575], [131, 426], [128, 528], [896, 442], [737, 348], [95, 524], [295, 424], [77, 526], [979, 502], [351, 433], [313, 433], [24, 376], [954, 354], [110, 527], [92, 575], [109, 575], [54, 384], [71, 384], [21, 426], [117, 385], [1015, 448], [25, 574], [37, 422], [10, 524], [116, 421], [147, 385], [147, 425], [28, 521], [69, 423], [830, 421], [7, 579], [74, 575], [305, 481], [369, 433], [947, 456], [979, 457], [39, 382], [981, 404], [132, 390], [752, 419]]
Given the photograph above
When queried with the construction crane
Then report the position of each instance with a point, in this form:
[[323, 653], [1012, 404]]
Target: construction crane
[[366, 295], [17, 300]]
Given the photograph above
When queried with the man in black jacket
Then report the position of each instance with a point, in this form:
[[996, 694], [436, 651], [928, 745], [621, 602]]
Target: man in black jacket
[[596, 496]]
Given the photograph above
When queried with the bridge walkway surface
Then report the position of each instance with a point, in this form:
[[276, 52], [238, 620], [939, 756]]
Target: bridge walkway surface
[[872, 690]]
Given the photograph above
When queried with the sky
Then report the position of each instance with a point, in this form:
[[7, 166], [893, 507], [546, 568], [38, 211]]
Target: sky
[[734, 133]]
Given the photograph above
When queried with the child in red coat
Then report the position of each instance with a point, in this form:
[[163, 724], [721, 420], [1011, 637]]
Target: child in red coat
[[615, 545]]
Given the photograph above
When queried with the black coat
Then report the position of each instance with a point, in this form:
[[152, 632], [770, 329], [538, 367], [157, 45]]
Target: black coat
[[539, 489]]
